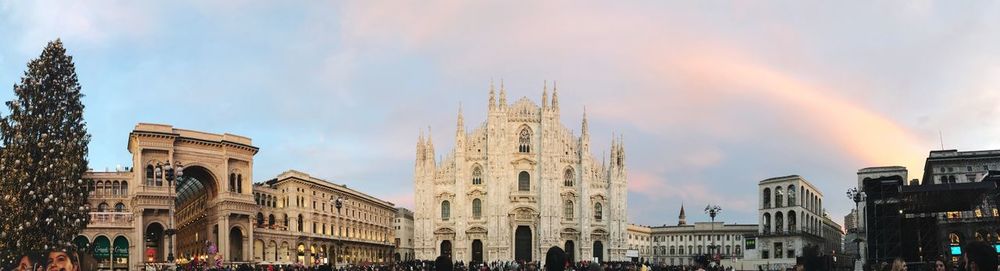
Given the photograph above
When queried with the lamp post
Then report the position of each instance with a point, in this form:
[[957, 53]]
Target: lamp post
[[170, 173], [854, 194], [338, 203], [712, 211]]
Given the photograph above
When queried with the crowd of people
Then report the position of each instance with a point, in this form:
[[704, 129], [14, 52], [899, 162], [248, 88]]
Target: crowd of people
[[978, 256]]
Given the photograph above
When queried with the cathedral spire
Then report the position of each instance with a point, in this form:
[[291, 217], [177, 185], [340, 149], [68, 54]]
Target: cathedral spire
[[503, 94], [555, 96], [682, 219], [545, 94], [585, 130], [420, 145], [493, 99], [461, 120]]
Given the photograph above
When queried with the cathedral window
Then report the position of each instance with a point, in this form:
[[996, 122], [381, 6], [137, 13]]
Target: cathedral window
[[445, 210], [477, 175], [523, 181], [598, 211], [524, 141], [568, 210], [568, 177], [232, 182], [477, 208]]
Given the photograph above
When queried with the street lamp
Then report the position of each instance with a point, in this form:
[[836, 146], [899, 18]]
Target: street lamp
[[854, 194], [338, 203], [171, 172], [712, 211]]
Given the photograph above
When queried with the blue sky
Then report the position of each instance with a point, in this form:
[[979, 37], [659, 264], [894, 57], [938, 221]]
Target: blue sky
[[711, 97]]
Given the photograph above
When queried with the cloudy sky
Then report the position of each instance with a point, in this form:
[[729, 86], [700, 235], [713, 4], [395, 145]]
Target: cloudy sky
[[711, 96]]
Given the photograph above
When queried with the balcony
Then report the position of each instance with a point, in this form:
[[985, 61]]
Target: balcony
[[110, 219]]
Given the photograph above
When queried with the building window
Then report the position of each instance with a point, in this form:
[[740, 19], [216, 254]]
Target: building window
[[120, 207], [477, 208], [301, 227], [778, 196], [149, 175], [445, 210], [270, 220], [477, 175], [568, 210], [523, 181], [568, 177], [767, 197], [598, 211], [524, 141], [791, 195]]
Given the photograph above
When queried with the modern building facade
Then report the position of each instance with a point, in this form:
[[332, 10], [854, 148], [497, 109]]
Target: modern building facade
[[791, 218], [191, 192], [517, 184], [404, 234]]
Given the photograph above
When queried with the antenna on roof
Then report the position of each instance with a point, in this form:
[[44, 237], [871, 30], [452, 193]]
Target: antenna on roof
[[941, 137]]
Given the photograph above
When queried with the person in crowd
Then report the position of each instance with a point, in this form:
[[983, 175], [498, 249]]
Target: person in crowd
[[63, 261], [980, 257], [26, 263], [938, 264], [443, 263], [700, 263], [555, 259], [898, 264]]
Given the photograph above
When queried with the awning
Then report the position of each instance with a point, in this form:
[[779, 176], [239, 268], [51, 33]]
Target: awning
[[102, 248], [121, 248]]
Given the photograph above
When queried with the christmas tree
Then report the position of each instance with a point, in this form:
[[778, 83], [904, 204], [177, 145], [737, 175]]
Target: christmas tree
[[43, 158]]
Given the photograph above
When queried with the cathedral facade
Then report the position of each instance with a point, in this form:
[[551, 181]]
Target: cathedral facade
[[517, 185]]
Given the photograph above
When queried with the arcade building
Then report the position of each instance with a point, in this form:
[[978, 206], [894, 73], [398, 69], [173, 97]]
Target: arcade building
[[190, 197]]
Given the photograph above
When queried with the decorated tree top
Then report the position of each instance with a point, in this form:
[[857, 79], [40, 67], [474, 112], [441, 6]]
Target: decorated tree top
[[43, 158]]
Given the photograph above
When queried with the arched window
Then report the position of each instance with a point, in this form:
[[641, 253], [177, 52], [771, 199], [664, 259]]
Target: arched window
[[477, 208], [270, 220], [103, 207], [301, 227], [124, 188], [477, 175], [260, 219], [149, 174], [232, 182], [90, 188], [568, 210], [598, 211], [778, 197], [100, 188], [239, 183], [766, 196], [524, 141], [792, 223], [568, 177], [791, 195], [779, 222], [523, 181], [116, 188], [120, 207], [445, 210], [767, 223], [107, 189]]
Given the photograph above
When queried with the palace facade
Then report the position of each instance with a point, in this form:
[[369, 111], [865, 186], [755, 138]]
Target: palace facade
[[153, 211], [518, 184]]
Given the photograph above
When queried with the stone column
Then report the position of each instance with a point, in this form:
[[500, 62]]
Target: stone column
[[223, 244], [249, 243]]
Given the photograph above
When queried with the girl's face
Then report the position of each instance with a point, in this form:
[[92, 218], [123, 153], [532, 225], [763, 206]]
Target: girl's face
[[24, 264], [939, 266]]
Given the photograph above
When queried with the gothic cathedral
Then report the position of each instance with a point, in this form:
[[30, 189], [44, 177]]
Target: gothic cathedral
[[517, 185]]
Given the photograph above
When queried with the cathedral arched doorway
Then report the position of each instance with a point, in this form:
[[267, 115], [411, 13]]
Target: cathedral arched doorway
[[477, 251], [445, 248], [236, 244], [570, 251], [522, 244], [599, 251]]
